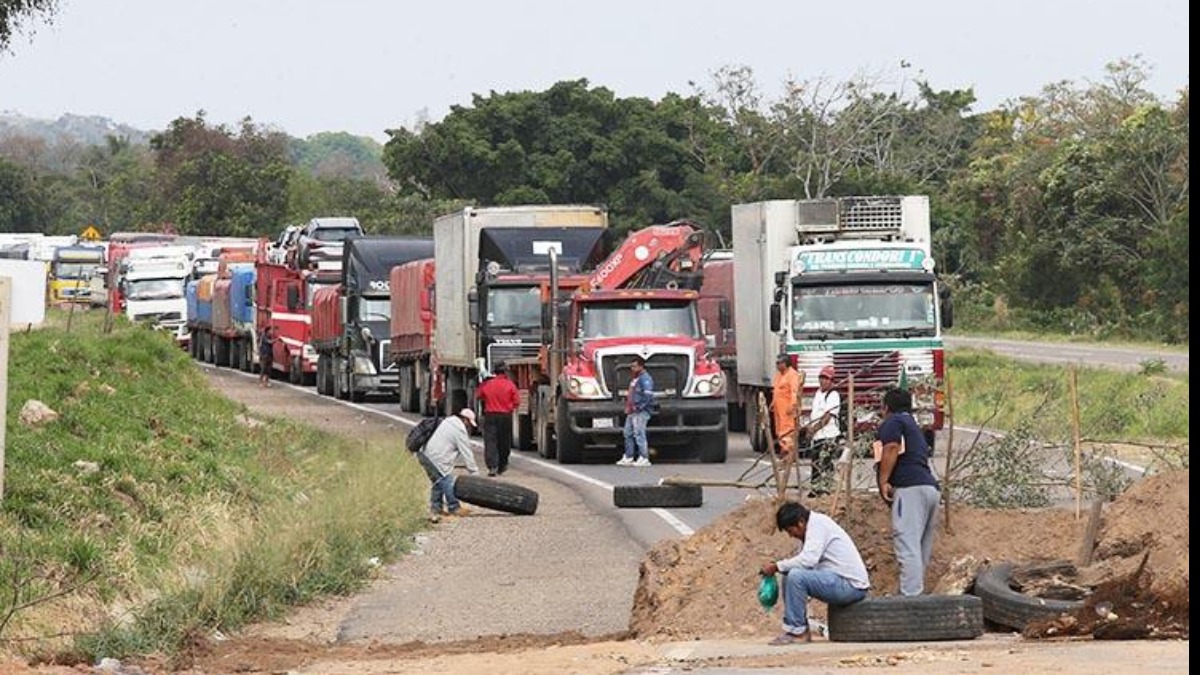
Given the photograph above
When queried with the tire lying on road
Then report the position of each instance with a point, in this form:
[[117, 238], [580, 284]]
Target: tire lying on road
[[1006, 607], [908, 619], [497, 495], [658, 496]]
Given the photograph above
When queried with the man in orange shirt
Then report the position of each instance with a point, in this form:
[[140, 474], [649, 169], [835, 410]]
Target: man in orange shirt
[[785, 402], [500, 399]]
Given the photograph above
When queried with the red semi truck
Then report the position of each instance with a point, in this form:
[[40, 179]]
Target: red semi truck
[[283, 298], [716, 320]]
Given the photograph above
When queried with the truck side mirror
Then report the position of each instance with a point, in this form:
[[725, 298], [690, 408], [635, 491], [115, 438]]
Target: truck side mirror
[[473, 307], [780, 278], [947, 307], [776, 317], [344, 309], [723, 315], [293, 298]]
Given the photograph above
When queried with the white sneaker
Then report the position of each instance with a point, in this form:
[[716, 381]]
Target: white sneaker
[[625, 461], [642, 461]]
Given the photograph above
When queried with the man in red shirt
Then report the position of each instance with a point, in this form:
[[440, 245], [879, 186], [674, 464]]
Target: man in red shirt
[[500, 399]]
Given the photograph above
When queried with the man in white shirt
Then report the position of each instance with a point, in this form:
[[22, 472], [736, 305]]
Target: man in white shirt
[[824, 431], [449, 442], [827, 566]]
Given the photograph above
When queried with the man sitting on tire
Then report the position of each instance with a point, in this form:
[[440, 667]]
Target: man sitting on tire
[[449, 442], [827, 566]]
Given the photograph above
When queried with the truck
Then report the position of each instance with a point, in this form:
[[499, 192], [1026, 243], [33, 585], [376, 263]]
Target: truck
[[351, 321], [847, 282], [411, 333], [283, 297], [716, 321], [640, 301], [220, 308], [72, 271], [151, 281], [496, 259], [119, 246]]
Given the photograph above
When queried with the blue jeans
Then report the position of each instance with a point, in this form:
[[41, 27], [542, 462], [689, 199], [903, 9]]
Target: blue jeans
[[826, 585], [442, 488], [635, 435]]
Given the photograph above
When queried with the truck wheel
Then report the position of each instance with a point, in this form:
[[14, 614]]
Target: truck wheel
[[356, 395], [907, 619], [221, 352], [322, 362], [570, 445], [295, 375], [657, 496], [235, 353], [403, 377], [497, 495], [547, 444], [340, 389], [193, 344], [756, 427], [524, 432], [713, 448]]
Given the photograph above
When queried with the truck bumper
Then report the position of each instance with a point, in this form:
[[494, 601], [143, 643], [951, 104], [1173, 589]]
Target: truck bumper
[[386, 383], [678, 422]]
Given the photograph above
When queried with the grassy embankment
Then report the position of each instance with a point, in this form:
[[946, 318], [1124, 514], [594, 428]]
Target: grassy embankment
[[161, 510], [1114, 406]]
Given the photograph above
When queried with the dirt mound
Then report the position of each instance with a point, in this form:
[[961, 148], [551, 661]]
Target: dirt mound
[[705, 586]]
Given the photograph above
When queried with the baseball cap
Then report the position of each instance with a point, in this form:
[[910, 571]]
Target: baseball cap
[[827, 371], [468, 415]]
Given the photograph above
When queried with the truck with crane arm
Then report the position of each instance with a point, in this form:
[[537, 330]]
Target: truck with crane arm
[[641, 301]]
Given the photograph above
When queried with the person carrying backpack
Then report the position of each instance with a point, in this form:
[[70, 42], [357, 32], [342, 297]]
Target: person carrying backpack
[[449, 442]]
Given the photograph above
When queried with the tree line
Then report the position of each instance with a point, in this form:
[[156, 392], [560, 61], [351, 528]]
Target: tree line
[[1066, 210]]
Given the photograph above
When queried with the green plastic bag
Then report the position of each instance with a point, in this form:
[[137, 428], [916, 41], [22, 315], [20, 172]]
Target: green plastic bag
[[768, 592]]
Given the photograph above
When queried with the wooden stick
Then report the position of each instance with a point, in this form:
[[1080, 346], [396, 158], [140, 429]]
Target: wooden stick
[[1074, 380], [949, 451], [849, 477], [1089, 537]]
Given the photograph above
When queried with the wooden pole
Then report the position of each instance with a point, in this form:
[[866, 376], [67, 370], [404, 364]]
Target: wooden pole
[[949, 450], [1074, 379], [5, 317], [1089, 536], [848, 478]]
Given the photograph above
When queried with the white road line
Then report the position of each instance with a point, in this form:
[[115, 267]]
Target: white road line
[[669, 518]]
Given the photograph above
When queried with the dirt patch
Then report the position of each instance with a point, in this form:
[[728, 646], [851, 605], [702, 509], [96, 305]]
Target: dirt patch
[[705, 586]]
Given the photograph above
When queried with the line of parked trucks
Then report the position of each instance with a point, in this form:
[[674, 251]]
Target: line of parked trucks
[[567, 306]]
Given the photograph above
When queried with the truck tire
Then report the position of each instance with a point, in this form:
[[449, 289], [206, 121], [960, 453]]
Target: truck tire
[[917, 618], [570, 445], [657, 496], [1006, 607], [341, 390], [713, 449], [221, 351], [323, 387], [194, 344], [235, 354], [497, 495], [524, 435], [295, 374], [247, 364], [209, 354], [404, 389]]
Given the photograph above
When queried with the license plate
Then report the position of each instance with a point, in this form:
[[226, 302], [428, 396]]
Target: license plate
[[603, 422]]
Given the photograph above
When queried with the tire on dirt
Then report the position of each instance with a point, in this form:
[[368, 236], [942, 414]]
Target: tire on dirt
[[1006, 607], [657, 496], [497, 495], [907, 619]]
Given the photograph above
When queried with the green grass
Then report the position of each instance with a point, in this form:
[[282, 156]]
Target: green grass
[[1114, 406], [195, 520], [1033, 336]]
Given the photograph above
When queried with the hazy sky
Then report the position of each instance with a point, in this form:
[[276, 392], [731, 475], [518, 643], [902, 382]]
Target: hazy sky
[[358, 66]]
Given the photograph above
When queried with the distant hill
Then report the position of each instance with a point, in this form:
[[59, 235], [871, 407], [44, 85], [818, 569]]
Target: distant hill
[[84, 129]]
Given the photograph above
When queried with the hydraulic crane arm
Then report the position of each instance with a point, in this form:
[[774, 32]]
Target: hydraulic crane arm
[[659, 256]]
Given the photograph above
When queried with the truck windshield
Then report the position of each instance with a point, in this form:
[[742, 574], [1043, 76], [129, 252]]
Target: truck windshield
[[639, 317], [155, 289], [66, 270], [514, 307], [334, 233], [374, 309], [848, 311]]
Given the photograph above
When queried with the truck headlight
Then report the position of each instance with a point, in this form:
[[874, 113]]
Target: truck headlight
[[363, 366], [586, 387], [708, 385]]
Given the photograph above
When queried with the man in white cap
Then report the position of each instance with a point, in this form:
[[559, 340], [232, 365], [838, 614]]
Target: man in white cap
[[450, 441]]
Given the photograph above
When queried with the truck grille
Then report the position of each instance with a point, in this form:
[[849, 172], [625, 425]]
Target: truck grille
[[511, 351], [669, 371]]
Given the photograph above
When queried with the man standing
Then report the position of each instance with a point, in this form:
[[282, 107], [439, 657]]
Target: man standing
[[638, 404], [785, 402], [266, 355], [908, 485], [827, 566], [449, 442], [824, 431], [500, 399]]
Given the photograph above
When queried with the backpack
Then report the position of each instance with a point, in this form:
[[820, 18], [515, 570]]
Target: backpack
[[419, 435]]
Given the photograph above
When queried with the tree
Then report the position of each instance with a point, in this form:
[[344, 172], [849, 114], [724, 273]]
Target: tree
[[21, 204], [14, 12]]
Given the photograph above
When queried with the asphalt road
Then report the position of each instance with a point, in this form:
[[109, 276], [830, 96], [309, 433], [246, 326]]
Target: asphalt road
[[1065, 353]]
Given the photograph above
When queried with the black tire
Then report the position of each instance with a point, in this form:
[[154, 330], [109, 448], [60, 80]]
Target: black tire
[[524, 435], [235, 353], [497, 495], [920, 618], [658, 496], [570, 445], [714, 449], [404, 389], [736, 417], [1006, 607]]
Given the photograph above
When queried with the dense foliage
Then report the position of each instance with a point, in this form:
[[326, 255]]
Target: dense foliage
[[1066, 210]]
